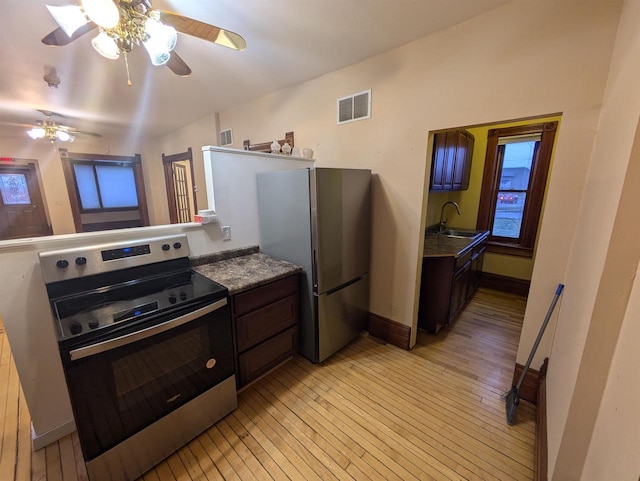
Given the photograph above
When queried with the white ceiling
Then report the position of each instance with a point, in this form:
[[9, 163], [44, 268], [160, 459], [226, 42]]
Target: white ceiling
[[288, 42]]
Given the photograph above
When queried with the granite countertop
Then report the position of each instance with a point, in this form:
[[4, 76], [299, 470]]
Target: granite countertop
[[243, 269], [436, 245]]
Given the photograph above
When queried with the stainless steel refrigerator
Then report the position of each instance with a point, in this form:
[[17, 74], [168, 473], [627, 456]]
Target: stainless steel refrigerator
[[320, 219]]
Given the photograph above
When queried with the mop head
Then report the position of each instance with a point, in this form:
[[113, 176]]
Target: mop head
[[512, 399]]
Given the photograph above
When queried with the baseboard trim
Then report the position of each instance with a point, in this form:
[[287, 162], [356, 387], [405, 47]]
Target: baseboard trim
[[541, 454], [511, 285], [41, 440], [390, 331], [529, 388]]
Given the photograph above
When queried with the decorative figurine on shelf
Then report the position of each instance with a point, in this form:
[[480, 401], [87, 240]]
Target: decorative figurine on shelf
[[286, 149], [296, 152], [275, 147], [307, 153]]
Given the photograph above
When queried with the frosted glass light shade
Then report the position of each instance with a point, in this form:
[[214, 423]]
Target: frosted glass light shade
[[156, 53], [36, 133], [63, 136], [102, 12], [70, 17], [106, 46], [160, 34]]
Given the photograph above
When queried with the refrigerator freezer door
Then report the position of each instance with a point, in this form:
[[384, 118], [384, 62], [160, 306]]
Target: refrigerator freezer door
[[342, 315], [341, 225]]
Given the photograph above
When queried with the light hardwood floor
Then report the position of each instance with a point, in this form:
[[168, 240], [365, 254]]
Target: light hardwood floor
[[372, 411]]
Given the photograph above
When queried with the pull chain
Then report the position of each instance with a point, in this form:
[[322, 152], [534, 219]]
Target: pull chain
[[126, 63]]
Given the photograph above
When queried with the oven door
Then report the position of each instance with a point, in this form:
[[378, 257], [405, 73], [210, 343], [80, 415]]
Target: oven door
[[121, 385]]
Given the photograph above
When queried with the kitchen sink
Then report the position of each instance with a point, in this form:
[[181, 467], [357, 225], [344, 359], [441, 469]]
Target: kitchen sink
[[465, 234]]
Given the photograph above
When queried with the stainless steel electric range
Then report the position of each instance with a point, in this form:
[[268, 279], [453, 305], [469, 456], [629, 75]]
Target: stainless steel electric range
[[147, 350]]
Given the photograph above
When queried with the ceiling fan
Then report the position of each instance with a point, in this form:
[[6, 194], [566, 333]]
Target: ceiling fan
[[52, 131], [123, 24]]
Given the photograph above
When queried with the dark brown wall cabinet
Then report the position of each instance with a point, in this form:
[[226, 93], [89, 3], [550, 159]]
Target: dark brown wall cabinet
[[448, 283], [451, 163], [265, 320]]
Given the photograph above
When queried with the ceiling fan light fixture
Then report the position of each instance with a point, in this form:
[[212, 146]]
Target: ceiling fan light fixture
[[36, 133], [102, 12], [164, 36], [106, 46], [64, 136], [157, 53], [69, 17]]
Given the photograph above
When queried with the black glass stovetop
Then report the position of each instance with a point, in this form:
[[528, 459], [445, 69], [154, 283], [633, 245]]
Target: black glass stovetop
[[102, 308]]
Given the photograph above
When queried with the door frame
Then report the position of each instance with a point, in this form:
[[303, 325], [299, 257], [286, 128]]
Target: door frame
[[167, 161]]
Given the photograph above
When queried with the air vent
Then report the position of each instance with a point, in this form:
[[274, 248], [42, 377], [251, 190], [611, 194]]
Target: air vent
[[354, 107], [226, 137]]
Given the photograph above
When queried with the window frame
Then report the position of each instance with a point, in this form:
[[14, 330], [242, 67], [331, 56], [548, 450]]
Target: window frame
[[94, 164], [524, 245], [70, 158]]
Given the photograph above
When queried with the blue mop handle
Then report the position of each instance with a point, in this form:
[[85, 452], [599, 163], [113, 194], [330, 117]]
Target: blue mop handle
[[544, 326]]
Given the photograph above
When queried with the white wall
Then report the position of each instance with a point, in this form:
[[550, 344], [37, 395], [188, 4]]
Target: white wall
[[601, 263], [231, 176], [521, 60], [195, 135], [614, 452]]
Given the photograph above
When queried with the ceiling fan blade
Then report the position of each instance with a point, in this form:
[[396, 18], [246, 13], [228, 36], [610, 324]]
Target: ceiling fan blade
[[17, 124], [203, 30], [83, 133], [59, 38], [177, 65]]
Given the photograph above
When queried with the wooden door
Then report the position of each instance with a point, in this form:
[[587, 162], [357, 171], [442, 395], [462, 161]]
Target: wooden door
[[22, 211], [180, 190]]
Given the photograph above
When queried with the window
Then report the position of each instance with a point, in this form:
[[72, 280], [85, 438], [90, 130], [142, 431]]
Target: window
[[105, 191], [13, 188], [513, 185], [105, 186]]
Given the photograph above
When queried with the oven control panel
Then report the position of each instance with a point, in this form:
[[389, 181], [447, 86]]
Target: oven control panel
[[64, 264], [141, 250]]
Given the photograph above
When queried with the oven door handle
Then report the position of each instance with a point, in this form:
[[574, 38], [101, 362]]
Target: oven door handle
[[143, 333]]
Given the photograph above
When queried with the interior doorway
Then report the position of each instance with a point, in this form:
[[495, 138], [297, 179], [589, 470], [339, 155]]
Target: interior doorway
[[181, 188], [504, 169], [22, 210]]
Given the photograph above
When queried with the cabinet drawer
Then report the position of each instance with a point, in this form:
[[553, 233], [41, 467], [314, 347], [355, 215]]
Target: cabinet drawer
[[263, 295], [259, 325], [462, 260], [255, 362]]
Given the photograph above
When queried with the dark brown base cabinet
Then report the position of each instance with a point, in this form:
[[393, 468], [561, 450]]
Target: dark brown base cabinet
[[266, 327], [447, 284]]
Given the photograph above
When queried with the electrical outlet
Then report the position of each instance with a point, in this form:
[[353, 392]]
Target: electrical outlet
[[226, 233]]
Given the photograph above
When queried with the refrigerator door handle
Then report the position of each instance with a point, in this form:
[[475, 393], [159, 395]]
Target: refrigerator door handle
[[314, 270], [346, 284]]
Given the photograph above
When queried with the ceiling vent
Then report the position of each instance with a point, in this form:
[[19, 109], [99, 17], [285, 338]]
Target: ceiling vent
[[226, 137], [354, 107]]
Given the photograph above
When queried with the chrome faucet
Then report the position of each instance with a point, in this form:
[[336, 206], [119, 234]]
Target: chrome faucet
[[443, 223]]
